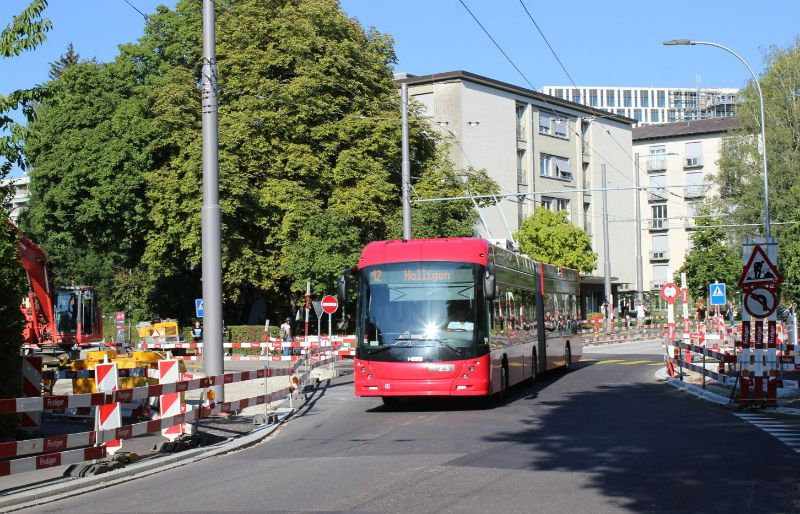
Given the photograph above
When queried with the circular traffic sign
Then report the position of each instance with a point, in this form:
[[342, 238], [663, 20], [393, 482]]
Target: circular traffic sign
[[329, 304], [760, 302], [669, 292]]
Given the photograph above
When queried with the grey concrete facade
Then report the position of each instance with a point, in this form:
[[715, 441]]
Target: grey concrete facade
[[547, 148]]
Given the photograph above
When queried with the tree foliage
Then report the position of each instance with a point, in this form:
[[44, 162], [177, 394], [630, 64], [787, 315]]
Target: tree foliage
[[66, 60], [25, 32], [309, 135], [711, 259], [741, 181], [549, 237]]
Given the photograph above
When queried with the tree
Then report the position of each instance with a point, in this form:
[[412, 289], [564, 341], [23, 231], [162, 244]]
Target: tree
[[25, 32], [66, 60], [740, 180], [309, 132], [549, 237], [711, 259]]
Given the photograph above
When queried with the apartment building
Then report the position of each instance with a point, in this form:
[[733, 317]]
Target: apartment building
[[547, 150], [18, 201], [651, 105], [677, 161]]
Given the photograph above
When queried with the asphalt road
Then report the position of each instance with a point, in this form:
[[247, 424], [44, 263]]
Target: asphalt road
[[606, 437]]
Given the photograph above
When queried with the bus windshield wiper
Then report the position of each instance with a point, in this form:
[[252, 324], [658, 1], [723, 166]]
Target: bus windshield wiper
[[388, 347], [440, 341]]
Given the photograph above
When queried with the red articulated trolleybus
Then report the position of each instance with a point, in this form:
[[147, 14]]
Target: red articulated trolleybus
[[458, 317]]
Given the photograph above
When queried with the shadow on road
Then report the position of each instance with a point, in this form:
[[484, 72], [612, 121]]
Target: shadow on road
[[652, 449]]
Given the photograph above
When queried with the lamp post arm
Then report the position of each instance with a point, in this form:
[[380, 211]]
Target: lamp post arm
[[763, 128]]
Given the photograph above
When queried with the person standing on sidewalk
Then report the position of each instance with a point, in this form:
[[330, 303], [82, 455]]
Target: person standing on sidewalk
[[286, 335]]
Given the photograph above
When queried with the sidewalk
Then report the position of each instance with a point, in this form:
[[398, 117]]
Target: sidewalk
[[220, 435]]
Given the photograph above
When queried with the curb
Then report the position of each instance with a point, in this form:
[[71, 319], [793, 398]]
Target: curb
[[151, 466], [140, 469], [699, 392]]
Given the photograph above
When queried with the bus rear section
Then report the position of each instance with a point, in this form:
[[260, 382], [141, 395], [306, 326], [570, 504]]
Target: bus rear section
[[422, 328]]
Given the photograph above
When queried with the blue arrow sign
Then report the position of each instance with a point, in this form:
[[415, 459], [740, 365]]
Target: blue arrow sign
[[198, 307], [717, 294]]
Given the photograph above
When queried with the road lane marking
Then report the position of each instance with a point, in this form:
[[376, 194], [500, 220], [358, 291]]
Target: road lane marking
[[786, 433], [631, 363], [610, 361]]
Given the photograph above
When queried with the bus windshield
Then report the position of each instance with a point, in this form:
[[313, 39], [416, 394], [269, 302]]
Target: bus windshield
[[421, 312]]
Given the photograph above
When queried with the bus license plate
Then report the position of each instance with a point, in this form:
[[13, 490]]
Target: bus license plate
[[444, 368]]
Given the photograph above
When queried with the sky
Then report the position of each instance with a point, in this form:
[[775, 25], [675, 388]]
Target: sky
[[611, 43]]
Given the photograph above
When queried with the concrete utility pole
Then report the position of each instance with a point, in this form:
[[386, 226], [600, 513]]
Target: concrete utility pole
[[406, 182], [607, 259], [211, 231], [639, 265]]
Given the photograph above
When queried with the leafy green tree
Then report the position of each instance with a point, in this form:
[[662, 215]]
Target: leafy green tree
[[88, 149], [309, 130], [549, 237], [740, 180], [711, 259], [25, 32], [66, 60]]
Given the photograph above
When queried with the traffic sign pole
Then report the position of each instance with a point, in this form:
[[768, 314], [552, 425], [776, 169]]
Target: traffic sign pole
[[685, 302]]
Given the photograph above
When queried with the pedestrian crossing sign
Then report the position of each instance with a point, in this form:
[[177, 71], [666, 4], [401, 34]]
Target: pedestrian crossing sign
[[716, 292]]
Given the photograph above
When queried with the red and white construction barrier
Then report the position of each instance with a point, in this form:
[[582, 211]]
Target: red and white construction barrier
[[32, 388], [50, 460], [170, 404], [108, 416]]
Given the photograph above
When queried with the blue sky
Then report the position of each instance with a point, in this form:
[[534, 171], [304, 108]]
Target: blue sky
[[600, 43]]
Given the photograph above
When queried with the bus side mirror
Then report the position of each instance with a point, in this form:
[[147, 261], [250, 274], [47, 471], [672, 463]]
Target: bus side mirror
[[341, 286], [489, 286]]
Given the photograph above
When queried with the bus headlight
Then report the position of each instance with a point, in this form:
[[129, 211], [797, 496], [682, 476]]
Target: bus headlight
[[369, 377], [465, 376], [472, 368]]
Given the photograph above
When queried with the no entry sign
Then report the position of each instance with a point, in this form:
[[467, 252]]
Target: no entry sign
[[329, 304]]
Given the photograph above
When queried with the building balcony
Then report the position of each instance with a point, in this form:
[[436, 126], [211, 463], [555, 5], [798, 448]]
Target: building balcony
[[656, 164], [659, 255], [693, 162], [657, 195], [656, 284], [695, 191], [658, 224]]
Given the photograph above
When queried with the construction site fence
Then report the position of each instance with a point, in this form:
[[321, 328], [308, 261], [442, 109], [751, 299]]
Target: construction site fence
[[755, 372], [53, 451]]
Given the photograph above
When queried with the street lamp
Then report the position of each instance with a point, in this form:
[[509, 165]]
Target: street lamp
[[685, 42]]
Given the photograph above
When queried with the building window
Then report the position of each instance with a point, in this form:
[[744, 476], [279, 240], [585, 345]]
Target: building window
[[556, 205], [659, 220], [587, 176], [645, 94], [654, 115], [522, 169], [521, 122], [545, 120], [695, 186], [637, 114], [610, 97], [661, 98], [694, 154], [576, 96], [658, 248], [660, 276], [658, 190], [621, 112], [593, 101], [587, 219], [657, 160], [552, 124], [554, 167], [559, 93], [627, 98]]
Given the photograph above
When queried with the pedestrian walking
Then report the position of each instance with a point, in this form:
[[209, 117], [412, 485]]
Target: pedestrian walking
[[286, 335], [639, 315], [197, 332]]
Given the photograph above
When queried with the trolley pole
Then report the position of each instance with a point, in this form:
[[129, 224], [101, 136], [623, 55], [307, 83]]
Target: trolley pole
[[638, 236], [211, 231]]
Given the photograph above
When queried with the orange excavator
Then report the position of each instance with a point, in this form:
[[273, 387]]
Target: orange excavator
[[61, 318]]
